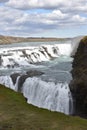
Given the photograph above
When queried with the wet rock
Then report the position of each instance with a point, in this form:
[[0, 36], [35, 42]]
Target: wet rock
[[45, 49], [21, 80], [14, 77], [0, 60], [28, 74], [78, 85], [32, 73]]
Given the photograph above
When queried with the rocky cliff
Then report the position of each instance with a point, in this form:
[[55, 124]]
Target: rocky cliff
[[78, 85]]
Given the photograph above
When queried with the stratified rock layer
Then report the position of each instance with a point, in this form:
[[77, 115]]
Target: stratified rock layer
[[78, 85]]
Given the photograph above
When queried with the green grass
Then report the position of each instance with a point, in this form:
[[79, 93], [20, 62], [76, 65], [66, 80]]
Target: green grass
[[16, 114]]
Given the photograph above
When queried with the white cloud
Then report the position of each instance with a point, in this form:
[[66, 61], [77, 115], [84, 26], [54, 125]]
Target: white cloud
[[2, 1], [17, 18], [36, 3], [77, 18], [18, 22], [64, 5]]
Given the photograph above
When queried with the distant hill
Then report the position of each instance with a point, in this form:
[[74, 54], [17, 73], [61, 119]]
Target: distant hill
[[11, 39]]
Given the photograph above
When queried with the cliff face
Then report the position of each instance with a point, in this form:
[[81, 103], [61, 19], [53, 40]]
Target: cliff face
[[78, 85]]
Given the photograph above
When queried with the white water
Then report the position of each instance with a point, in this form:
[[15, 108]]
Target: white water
[[7, 81], [23, 56], [45, 91], [54, 97]]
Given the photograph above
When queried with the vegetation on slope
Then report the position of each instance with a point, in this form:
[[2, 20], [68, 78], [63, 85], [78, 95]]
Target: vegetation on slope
[[16, 114]]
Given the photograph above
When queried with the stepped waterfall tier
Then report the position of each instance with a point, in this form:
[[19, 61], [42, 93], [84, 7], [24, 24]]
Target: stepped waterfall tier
[[41, 71], [55, 97], [13, 57]]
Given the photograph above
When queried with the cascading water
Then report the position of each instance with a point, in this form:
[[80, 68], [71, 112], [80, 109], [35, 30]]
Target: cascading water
[[50, 90], [54, 97], [22, 56]]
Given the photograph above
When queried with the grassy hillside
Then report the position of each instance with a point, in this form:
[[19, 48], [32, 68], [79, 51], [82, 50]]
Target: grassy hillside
[[16, 114]]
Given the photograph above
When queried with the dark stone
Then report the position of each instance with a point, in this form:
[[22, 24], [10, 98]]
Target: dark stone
[[55, 50], [0, 60], [45, 48], [23, 77], [14, 77], [28, 74], [78, 85], [32, 73], [21, 81]]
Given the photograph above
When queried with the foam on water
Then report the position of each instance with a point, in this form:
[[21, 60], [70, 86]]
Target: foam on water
[[46, 91], [55, 97], [23, 56]]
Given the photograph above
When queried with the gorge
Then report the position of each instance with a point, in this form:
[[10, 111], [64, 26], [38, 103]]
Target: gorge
[[48, 89], [78, 84]]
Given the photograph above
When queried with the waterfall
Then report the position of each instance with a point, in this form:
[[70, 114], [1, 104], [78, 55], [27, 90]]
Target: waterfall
[[23, 56], [54, 97], [7, 81], [41, 93]]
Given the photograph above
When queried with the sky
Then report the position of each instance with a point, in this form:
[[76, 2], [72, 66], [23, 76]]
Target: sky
[[43, 18]]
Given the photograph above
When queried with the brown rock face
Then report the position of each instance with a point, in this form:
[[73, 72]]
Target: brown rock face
[[78, 85]]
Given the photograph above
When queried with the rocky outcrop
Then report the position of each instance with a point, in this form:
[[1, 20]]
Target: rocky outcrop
[[14, 77], [23, 77], [78, 85], [32, 73]]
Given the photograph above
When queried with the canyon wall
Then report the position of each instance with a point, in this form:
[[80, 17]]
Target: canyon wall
[[78, 85]]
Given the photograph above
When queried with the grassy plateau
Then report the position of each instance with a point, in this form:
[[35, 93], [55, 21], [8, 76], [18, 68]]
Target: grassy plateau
[[16, 114]]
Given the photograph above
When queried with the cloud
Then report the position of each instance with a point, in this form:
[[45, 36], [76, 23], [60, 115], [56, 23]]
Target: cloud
[[63, 5], [2, 1], [23, 17], [19, 22], [36, 3]]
